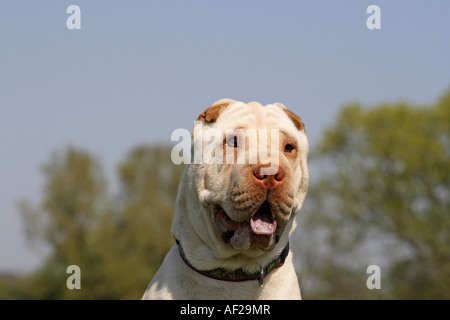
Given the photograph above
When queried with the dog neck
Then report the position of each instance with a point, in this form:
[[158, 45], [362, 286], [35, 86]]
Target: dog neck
[[238, 274]]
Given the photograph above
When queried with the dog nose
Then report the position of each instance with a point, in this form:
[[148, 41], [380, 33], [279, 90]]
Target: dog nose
[[270, 175]]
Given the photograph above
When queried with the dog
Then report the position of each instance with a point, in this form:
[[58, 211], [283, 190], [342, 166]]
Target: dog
[[234, 213]]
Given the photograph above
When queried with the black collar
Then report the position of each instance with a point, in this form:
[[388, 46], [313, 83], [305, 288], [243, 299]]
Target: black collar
[[239, 274]]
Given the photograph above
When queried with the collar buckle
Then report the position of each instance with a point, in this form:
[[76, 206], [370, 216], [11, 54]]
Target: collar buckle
[[261, 277]]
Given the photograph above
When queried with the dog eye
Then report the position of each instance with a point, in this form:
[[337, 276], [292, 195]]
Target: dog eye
[[232, 142], [288, 148]]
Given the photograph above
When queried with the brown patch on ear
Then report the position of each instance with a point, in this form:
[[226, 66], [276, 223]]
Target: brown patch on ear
[[295, 119], [212, 113]]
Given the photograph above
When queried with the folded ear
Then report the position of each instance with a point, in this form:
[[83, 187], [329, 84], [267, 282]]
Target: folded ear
[[212, 113], [295, 118]]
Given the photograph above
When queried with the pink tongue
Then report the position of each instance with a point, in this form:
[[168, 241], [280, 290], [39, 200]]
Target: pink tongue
[[262, 224]]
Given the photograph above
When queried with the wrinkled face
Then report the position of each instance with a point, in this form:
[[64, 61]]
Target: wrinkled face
[[256, 174]]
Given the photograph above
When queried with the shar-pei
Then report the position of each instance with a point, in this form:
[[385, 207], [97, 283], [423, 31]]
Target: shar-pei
[[236, 206]]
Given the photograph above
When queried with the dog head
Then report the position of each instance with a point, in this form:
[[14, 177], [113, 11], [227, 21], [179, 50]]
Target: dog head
[[249, 177]]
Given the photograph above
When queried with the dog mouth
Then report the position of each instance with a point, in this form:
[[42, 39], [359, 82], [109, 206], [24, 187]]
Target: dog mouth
[[262, 221], [260, 229]]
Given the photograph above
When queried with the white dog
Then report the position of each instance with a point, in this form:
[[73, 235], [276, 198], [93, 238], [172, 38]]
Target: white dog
[[233, 217]]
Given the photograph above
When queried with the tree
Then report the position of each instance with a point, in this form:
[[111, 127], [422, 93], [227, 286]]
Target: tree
[[118, 241], [148, 189], [383, 197], [67, 218]]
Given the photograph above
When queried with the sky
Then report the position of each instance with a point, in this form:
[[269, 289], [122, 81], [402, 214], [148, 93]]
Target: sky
[[138, 70]]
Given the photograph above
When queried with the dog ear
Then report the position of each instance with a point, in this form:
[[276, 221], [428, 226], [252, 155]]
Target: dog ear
[[295, 118], [211, 114]]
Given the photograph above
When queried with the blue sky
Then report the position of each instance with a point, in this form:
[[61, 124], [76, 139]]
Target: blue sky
[[137, 70]]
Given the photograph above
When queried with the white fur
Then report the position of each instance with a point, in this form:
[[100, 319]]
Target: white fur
[[201, 186]]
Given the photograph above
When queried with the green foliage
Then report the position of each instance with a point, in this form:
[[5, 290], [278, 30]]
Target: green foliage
[[117, 241], [383, 198]]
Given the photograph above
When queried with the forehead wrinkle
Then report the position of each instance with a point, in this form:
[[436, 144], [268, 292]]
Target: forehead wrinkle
[[260, 117], [235, 111], [242, 122]]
